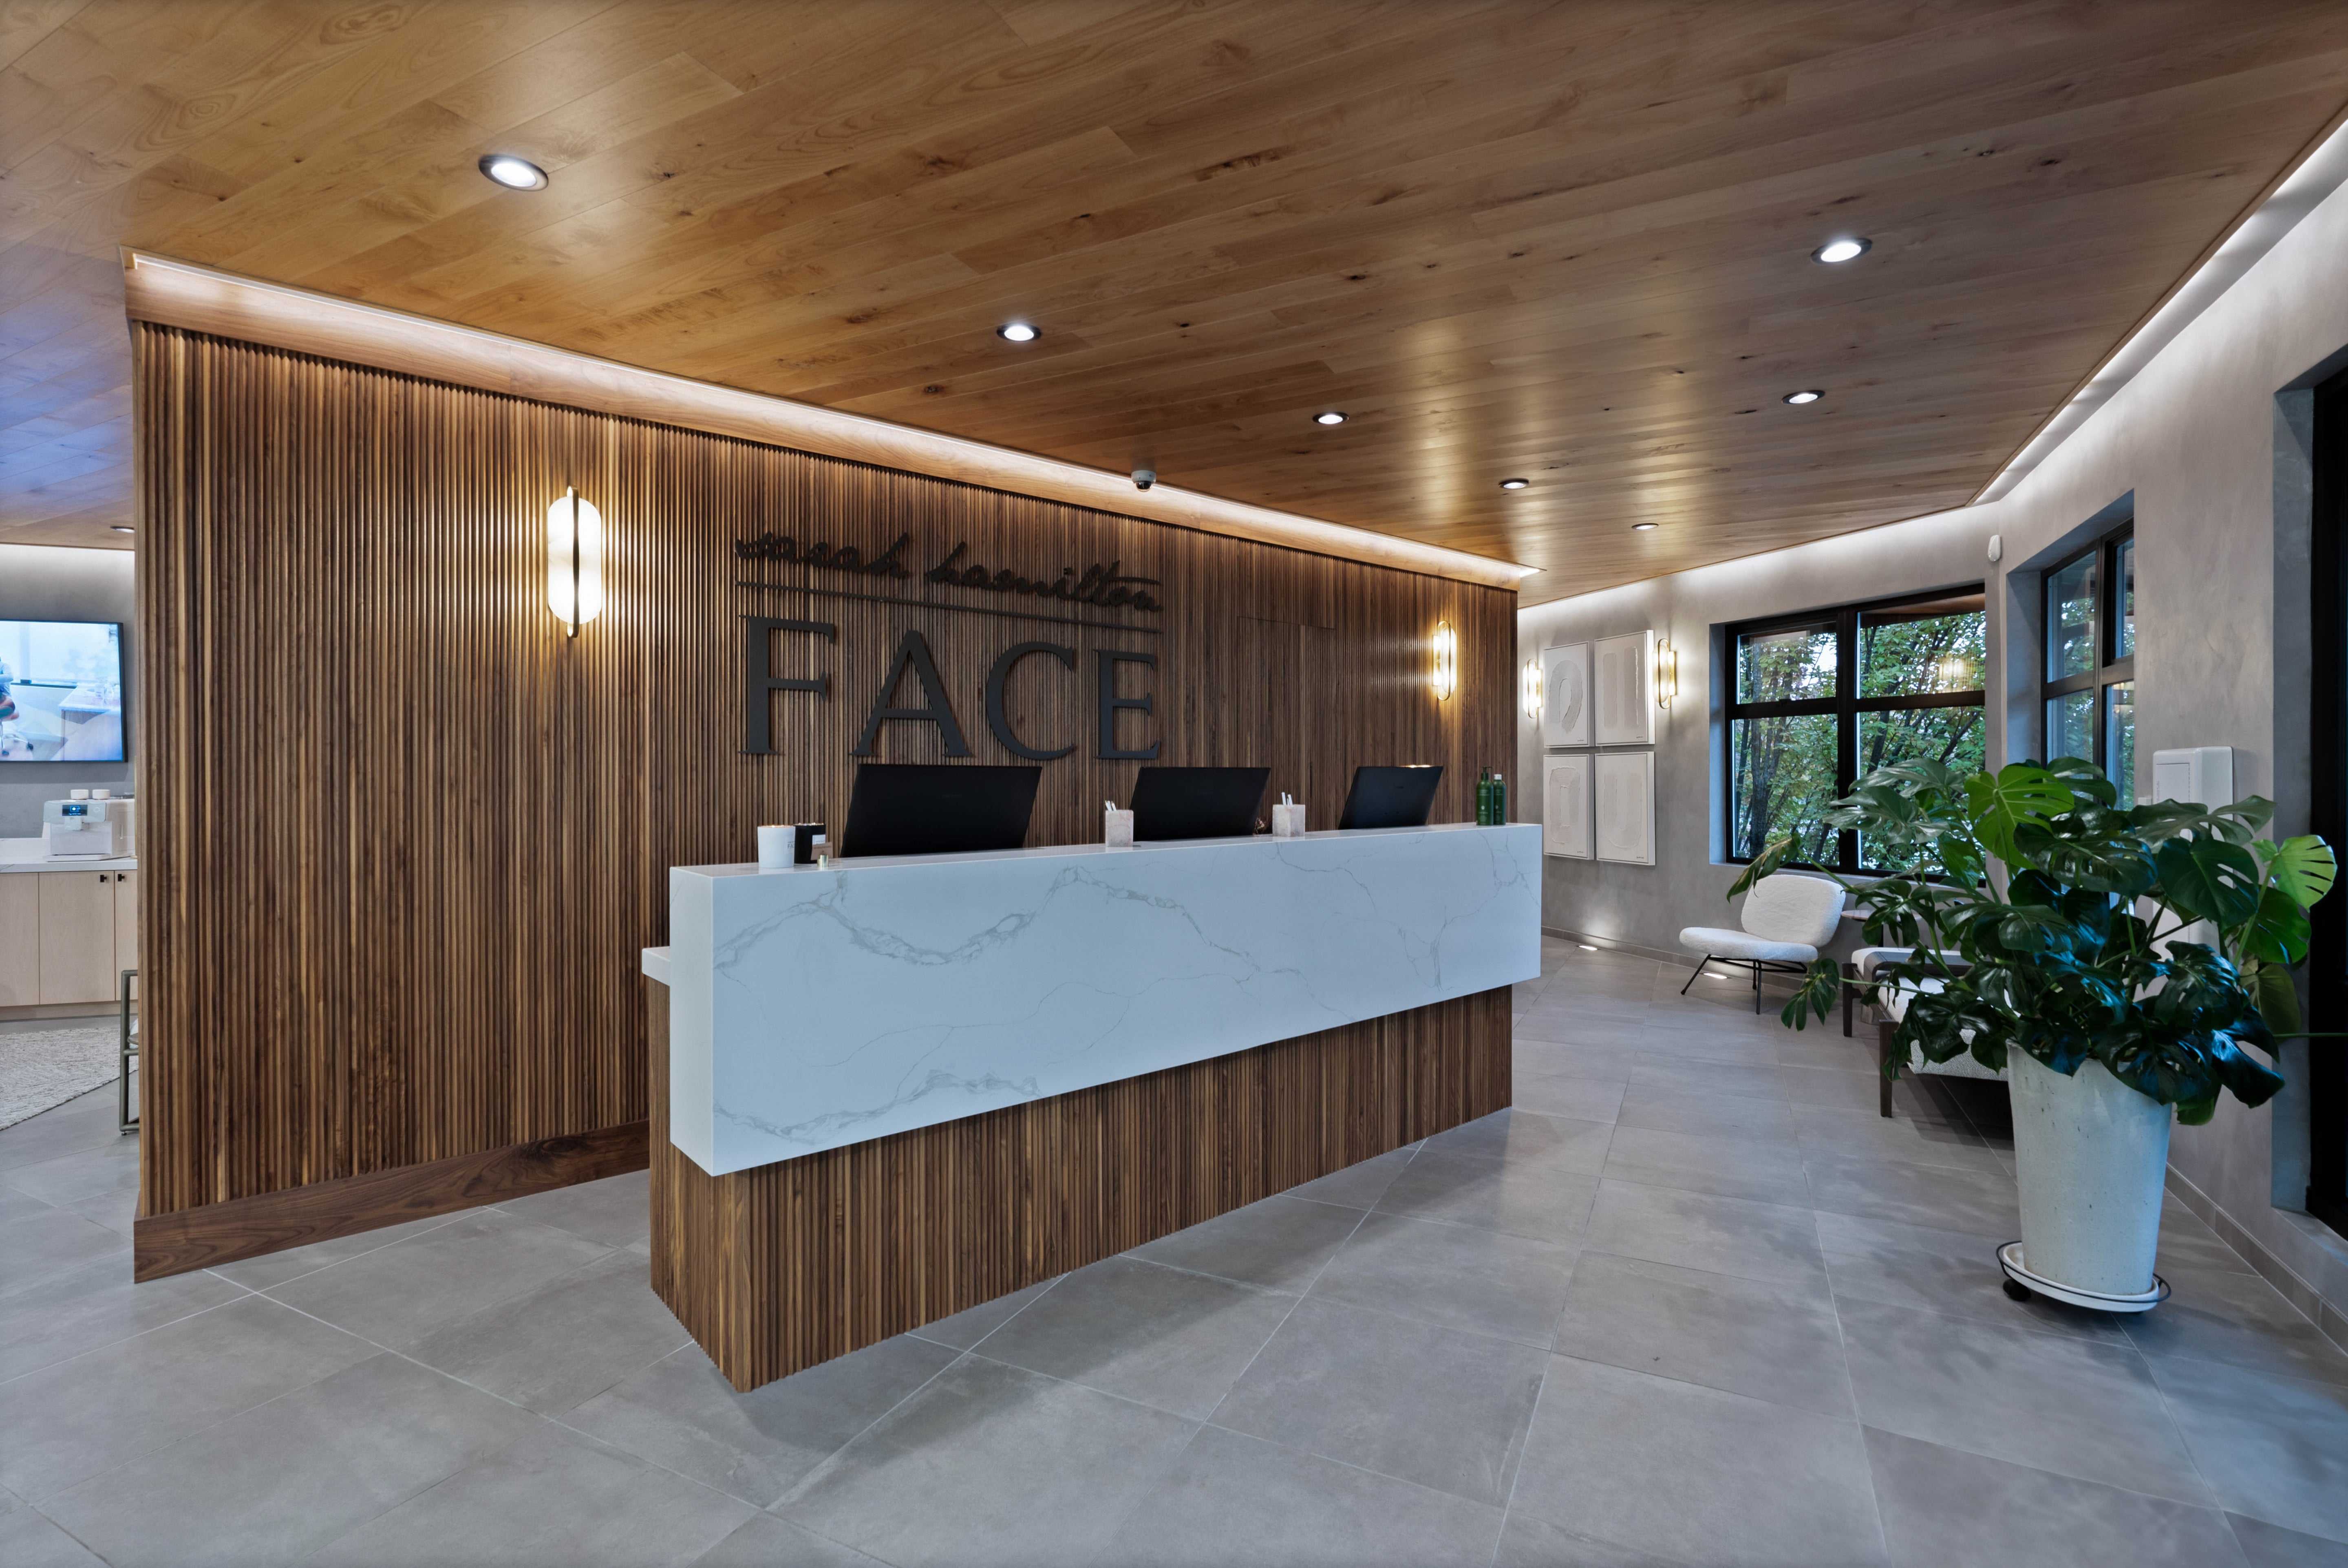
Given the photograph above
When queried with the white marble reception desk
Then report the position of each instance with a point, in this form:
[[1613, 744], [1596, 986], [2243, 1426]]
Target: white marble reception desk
[[810, 1008]]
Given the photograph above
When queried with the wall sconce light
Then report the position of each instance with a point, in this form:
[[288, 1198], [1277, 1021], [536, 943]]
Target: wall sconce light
[[574, 561], [1445, 674], [1954, 671], [1667, 673], [1532, 688]]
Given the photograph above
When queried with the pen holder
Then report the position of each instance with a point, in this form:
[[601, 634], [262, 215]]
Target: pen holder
[[774, 847], [1116, 829], [1288, 822]]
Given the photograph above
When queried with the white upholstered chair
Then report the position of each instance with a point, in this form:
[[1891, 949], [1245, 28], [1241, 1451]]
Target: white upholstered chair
[[1786, 920], [1892, 1005]]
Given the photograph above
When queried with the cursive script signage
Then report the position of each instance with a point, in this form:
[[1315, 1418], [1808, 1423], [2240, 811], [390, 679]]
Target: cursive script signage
[[1097, 585]]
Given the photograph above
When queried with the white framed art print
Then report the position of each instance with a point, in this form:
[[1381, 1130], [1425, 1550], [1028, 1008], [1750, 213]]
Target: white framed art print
[[1625, 793], [1623, 696], [1565, 695], [1565, 807]]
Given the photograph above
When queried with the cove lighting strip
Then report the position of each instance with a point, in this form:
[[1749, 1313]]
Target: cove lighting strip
[[174, 292]]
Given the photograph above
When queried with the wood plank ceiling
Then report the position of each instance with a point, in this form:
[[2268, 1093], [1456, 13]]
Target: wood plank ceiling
[[1567, 241]]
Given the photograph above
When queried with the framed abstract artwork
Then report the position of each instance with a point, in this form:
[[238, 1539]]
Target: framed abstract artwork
[[1565, 695], [1621, 694], [1624, 793], [1565, 807]]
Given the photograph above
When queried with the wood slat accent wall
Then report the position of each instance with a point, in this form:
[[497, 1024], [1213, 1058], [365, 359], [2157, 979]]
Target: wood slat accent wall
[[403, 839], [778, 1267]]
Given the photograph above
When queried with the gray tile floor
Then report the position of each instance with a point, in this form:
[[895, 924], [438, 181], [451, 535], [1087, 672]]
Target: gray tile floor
[[1690, 1302]]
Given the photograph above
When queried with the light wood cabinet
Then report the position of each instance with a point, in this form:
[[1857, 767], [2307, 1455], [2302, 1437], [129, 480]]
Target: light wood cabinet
[[66, 936], [20, 940]]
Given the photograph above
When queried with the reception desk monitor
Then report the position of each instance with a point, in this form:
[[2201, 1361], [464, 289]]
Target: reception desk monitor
[[924, 809], [1391, 797], [1197, 802]]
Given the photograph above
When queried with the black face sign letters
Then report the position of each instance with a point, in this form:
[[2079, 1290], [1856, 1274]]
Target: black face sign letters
[[914, 663], [1098, 585]]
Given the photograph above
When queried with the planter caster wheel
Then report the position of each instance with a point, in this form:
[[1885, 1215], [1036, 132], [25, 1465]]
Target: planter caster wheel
[[2016, 1291]]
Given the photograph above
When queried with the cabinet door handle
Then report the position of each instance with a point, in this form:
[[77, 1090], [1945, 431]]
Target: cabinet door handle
[[101, 876]]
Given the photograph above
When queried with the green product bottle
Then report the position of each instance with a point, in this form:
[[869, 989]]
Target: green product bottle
[[1500, 802], [1484, 798]]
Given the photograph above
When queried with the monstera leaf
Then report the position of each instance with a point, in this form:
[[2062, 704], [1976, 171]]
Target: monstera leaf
[[2301, 868], [2205, 879], [2017, 793]]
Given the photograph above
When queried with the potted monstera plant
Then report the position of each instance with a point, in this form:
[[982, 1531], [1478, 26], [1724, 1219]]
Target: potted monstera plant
[[2122, 964]]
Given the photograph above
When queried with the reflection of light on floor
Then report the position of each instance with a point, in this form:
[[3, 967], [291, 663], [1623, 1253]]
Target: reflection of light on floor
[[1585, 947]]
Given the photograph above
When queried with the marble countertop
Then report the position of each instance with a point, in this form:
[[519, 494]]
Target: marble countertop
[[27, 855], [812, 1007]]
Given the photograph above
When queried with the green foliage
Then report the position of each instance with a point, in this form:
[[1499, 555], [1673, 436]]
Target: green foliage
[[2049, 918]]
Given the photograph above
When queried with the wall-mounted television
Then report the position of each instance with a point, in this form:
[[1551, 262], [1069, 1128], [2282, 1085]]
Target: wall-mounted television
[[60, 691]]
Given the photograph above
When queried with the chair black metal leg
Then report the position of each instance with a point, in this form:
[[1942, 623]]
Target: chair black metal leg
[[1850, 972], [1756, 990], [1701, 963]]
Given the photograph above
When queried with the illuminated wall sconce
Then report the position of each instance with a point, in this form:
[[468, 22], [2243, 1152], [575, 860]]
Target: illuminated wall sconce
[[1667, 673], [1532, 688], [1955, 673], [574, 561], [1445, 674]]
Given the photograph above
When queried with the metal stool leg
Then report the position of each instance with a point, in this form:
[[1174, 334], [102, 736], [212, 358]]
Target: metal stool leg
[[1699, 969]]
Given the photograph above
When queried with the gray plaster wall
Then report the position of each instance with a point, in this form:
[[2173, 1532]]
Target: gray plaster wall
[[54, 583], [2206, 445]]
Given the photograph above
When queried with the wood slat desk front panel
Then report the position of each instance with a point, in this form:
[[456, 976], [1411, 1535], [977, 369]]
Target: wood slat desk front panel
[[777, 1268]]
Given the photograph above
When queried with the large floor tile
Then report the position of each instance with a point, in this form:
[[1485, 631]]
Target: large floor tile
[[1676, 1075], [29, 1541], [82, 1173], [398, 1294], [1527, 1138], [1430, 1405], [1694, 1473], [77, 1418], [965, 1329], [1236, 1499], [1359, 1185], [1531, 1542], [1576, 1098], [1977, 1203], [681, 1414], [1830, 1129], [2238, 1319], [283, 1479], [86, 1122], [615, 1211], [1605, 1064], [1698, 1230], [1458, 1276], [2053, 1401], [1163, 1336], [766, 1541], [1943, 1508], [2274, 1448], [993, 1464], [1693, 1162], [565, 1341], [45, 1241], [1280, 1243], [1693, 1109], [1547, 1203], [2186, 1241], [555, 1500], [273, 1269], [2272, 1546], [1942, 1271], [55, 1317], [1775, 1342]]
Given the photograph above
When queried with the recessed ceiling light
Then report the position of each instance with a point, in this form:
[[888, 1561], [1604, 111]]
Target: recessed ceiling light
[[1018, 332], [1841, 251], [1332, 417], [513, 173], [1798, 398], [123, 528], [1641, 527], [1514, 484]]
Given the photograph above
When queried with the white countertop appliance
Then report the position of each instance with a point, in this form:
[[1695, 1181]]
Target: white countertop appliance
[[82, 830]]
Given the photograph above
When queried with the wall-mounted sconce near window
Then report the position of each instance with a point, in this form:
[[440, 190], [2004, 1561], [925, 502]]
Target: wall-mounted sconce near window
[[1955, 673], [1667, 673], [1532, 688], [1445, 674], [574, 561]]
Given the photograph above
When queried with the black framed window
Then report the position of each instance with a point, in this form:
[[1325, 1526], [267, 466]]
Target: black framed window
[[2088, 678], [2327, 963], [1821, 698]]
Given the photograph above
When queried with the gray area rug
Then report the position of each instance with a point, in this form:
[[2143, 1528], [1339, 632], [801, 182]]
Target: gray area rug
[[45, 1068]]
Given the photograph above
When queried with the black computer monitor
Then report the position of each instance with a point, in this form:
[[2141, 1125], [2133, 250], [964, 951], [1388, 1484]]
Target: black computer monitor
[[926, 808], [1197, 802], [1391, 797]]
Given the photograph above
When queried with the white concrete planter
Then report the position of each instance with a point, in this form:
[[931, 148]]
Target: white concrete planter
[[2090, 1154]]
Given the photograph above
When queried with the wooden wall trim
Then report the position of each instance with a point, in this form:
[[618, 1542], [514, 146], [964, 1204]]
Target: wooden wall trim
[[271, 1222], [174, 292], [777, 1268]]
